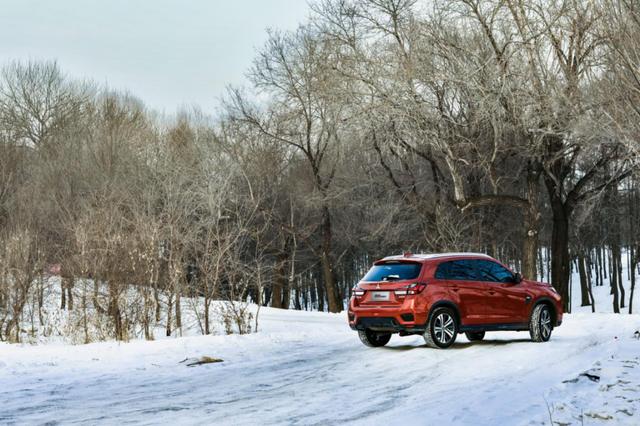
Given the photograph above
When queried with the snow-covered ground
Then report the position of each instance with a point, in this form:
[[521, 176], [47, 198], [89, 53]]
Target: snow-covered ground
[[310, 368], [602, 294], [603, 297]]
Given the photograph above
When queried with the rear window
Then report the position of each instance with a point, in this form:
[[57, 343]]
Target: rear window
[[393, 272]]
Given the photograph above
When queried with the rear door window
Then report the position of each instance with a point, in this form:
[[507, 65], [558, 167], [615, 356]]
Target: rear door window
[[456, 270], [393, 272], [493, 272]]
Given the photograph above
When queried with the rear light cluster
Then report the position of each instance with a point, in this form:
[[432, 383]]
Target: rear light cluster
[[408, 290], [411, 289]]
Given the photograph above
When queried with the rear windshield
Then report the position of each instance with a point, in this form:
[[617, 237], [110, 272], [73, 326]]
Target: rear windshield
[[393, 272]]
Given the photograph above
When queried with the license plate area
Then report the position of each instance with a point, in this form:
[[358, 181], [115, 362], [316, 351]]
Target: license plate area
[[380, 296]]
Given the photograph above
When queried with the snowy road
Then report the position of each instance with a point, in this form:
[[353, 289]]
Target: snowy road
[[309, 368]]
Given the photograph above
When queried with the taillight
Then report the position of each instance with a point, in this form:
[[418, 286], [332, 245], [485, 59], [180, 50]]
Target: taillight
[[411, 289], [416, 288], [357, 292]]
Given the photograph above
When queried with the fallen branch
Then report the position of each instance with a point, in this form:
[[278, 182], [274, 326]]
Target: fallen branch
[[192, 362]]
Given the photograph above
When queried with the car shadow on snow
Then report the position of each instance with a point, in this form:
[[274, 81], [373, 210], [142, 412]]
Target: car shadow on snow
[[488, 342], [460, 345]]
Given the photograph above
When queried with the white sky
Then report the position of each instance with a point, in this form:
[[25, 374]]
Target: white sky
[[167, 52]]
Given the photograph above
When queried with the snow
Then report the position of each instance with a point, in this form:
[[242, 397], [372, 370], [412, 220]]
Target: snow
[[601, 294], [310, 368], [610, 390], [434, 255]]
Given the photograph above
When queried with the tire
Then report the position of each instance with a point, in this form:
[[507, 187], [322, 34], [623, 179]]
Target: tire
[[474, 336], [541, 323], [442, 328], [374, 339]]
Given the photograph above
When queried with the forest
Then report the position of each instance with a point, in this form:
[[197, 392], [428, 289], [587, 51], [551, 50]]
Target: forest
[[507, 127]]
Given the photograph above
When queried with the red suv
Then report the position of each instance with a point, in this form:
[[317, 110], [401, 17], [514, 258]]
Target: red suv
[[441, 295]]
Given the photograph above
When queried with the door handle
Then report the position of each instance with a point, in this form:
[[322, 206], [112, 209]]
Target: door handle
[[492, 293], [455, 288]]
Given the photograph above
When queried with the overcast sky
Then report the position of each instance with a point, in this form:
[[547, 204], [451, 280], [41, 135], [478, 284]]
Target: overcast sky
[[166, 52]]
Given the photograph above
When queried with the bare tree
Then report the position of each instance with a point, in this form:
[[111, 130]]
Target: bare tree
[[36, 100], [305, 115]]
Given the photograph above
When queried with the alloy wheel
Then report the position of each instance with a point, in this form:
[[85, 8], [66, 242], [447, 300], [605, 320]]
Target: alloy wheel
[[444, 328], [545, 323]]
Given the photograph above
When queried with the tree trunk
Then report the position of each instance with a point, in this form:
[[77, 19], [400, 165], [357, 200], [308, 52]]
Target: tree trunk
[[94, 297], [584, 285], [267, 296], [292, 248], [70, 294], [207, 307], [633, 249], [279, 279], [306, 297], [560, 260], [156, 299], [598, 266], [615, 273], [620, 281], [178, 310], [319, 293], [634, 261], [612, 268], [147, 314], [286, 294], [613, 281], [328, 274], [63, 291], [593, 301], [85, 324], [297, 305], [604, 264], [531, 226], [40, 301], [114, 310], [169, 310]]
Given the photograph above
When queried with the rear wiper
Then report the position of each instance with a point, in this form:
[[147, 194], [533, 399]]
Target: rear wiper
[[390, 277]]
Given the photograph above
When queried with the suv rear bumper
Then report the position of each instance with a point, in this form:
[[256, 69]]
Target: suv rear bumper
[[410, 317], [389, 324]]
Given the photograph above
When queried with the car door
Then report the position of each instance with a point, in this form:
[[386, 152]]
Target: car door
[[506, 300], [465, 289]]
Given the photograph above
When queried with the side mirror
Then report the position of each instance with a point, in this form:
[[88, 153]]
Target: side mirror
[[517, 278]]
